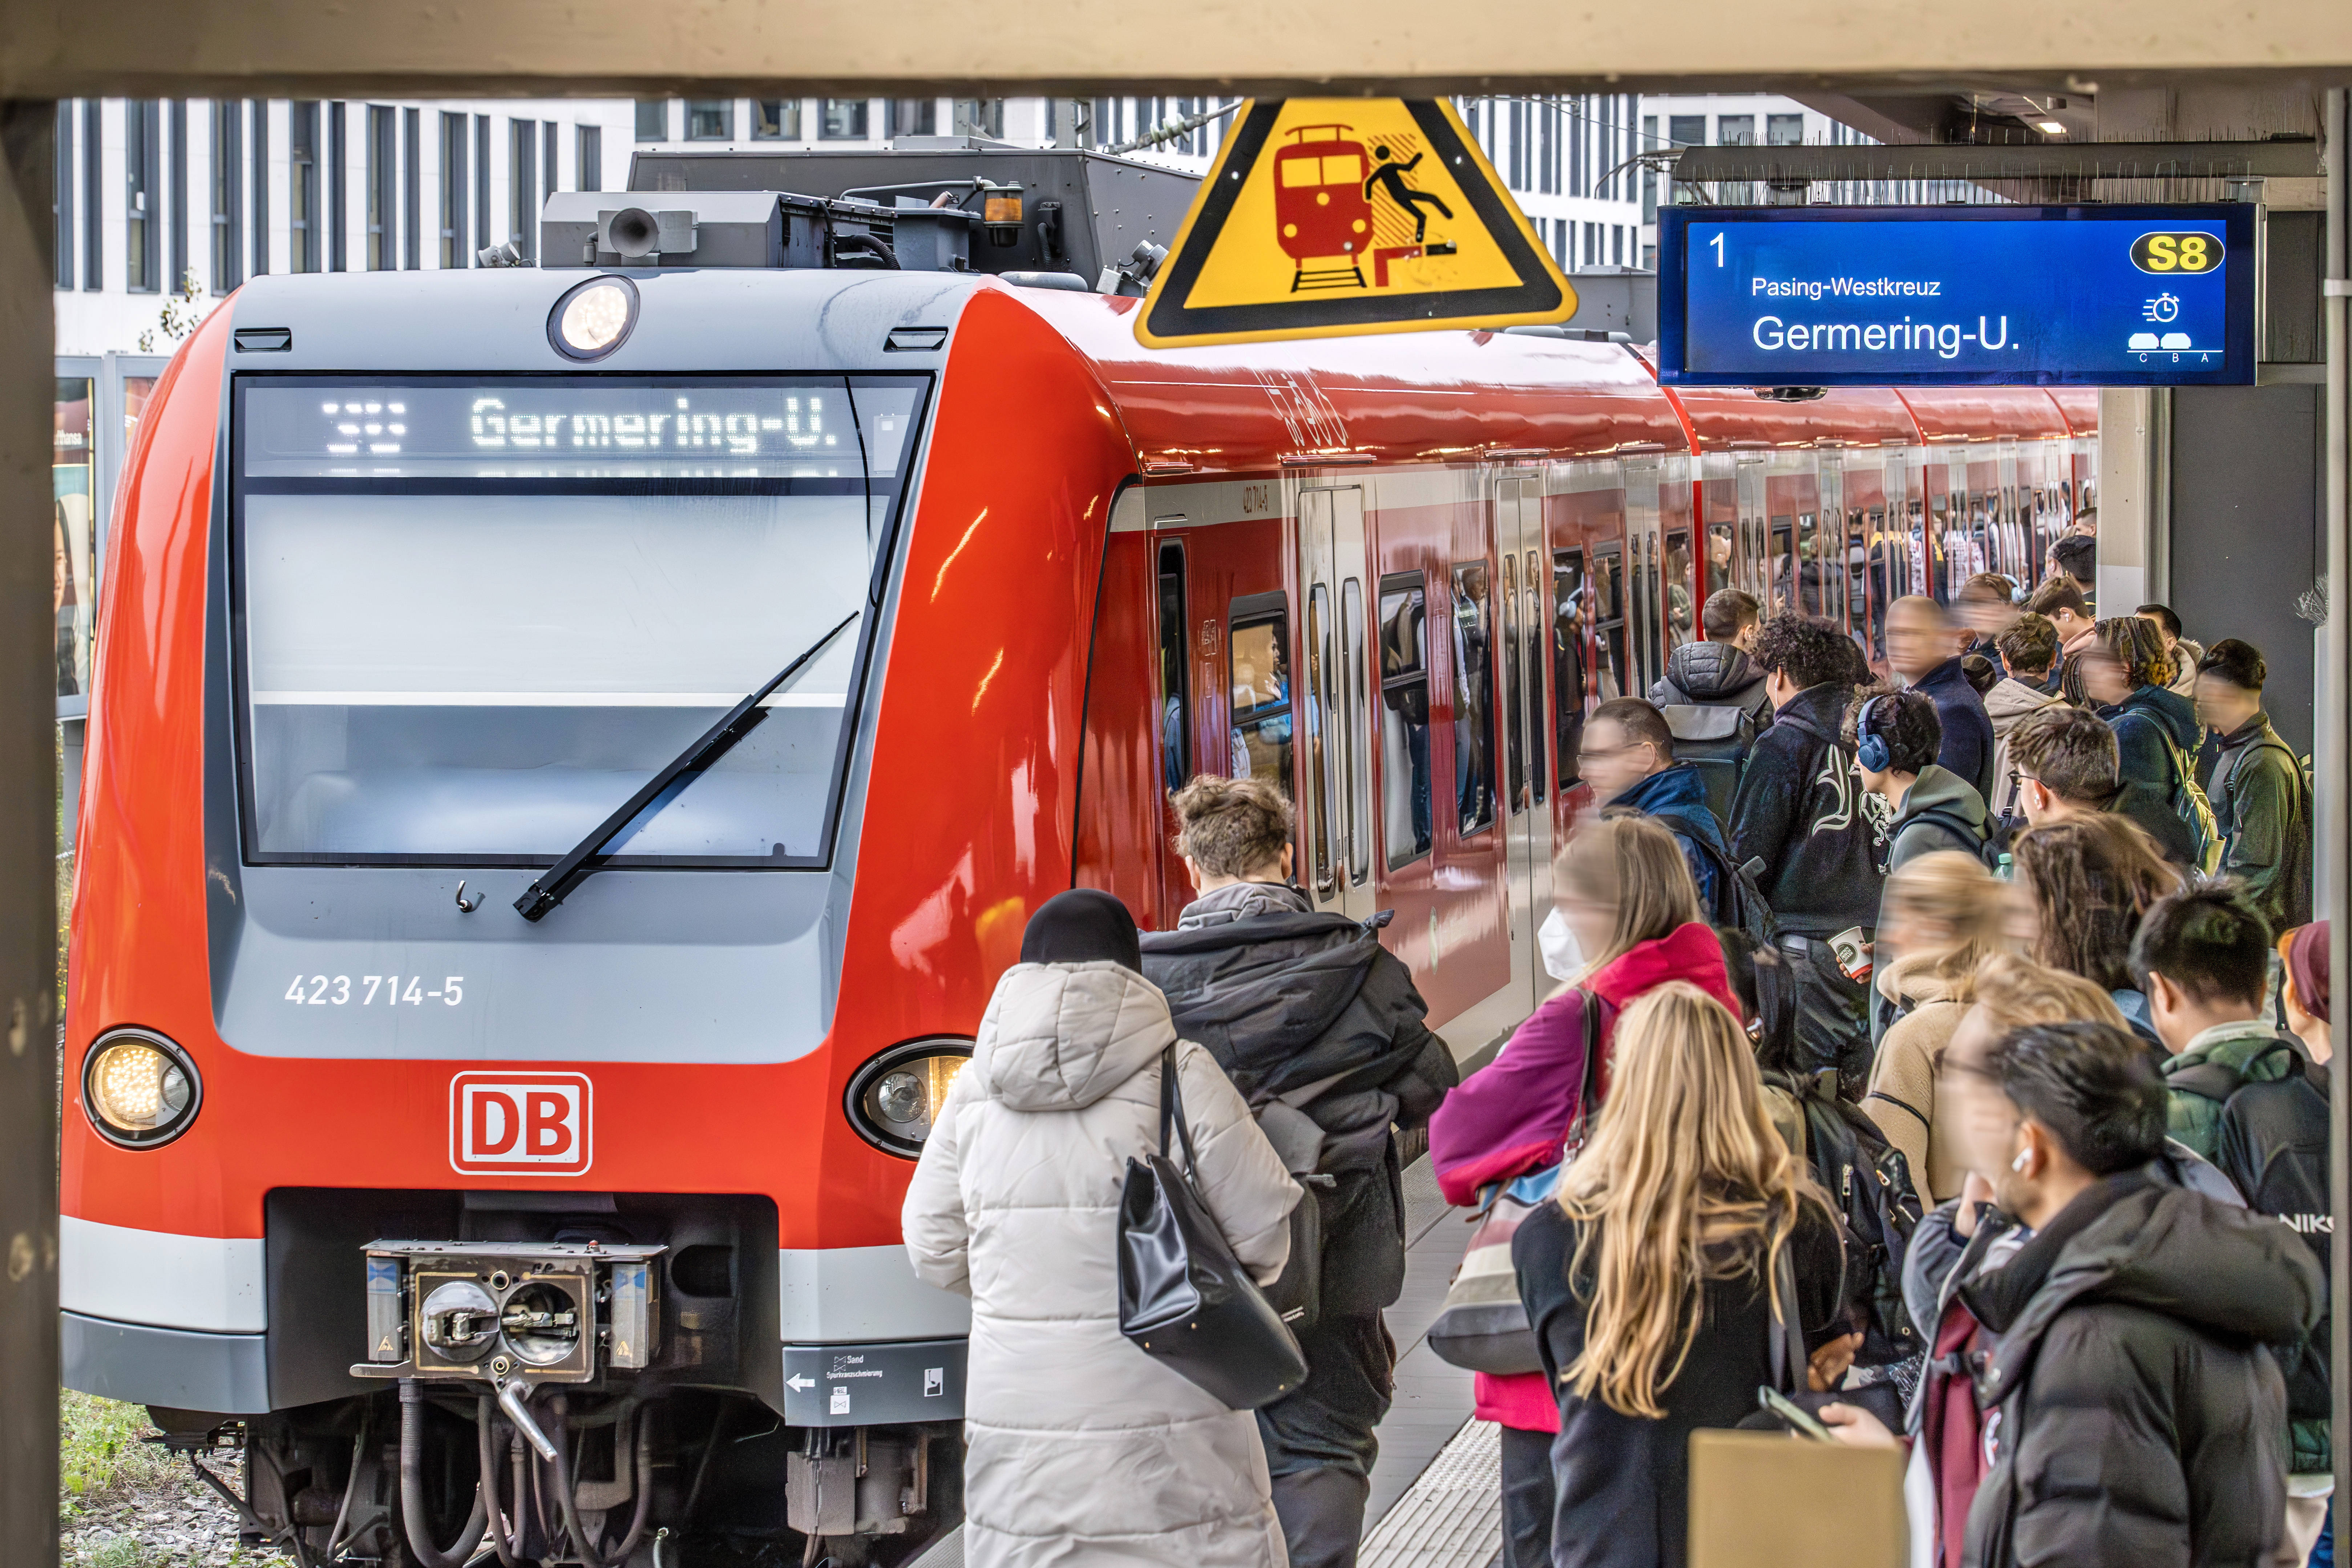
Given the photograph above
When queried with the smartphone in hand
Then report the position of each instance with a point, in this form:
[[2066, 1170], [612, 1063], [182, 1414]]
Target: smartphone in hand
[[1794, 1413]]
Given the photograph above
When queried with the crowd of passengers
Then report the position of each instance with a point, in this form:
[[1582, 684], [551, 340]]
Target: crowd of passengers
[[1946, 1053]]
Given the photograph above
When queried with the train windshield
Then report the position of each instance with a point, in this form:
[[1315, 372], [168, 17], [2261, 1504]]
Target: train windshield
[[474, 616]]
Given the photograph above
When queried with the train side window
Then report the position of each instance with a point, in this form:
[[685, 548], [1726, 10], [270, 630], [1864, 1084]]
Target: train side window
[[1515, 747], [1404, 717], [1474, 697], [1682, 608], [1259, 645], [1175, 700], [1570, 631], [1821, 581], [1608, 612], [1357, 704]]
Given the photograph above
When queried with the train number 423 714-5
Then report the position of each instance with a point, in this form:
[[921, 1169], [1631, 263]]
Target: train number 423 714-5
[[367, 990]]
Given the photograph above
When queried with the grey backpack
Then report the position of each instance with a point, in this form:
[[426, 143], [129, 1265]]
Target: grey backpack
[[1715, 740]]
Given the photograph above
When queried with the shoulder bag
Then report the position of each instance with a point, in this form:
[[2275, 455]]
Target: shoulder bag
[[1484, 1325], [1184, 1299]]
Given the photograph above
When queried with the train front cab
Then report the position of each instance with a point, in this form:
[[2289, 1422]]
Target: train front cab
[[670, 1100]]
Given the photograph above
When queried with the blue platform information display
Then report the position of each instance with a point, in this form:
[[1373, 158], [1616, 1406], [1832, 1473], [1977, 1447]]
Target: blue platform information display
[[2103, 296]]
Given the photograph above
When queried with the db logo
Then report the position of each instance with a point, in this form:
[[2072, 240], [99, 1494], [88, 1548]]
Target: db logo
[[520, 1123]]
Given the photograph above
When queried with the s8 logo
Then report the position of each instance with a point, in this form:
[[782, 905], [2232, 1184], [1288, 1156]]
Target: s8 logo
[[2175, 253]]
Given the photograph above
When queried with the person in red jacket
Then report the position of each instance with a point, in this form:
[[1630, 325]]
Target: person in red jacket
[[1626, 899]]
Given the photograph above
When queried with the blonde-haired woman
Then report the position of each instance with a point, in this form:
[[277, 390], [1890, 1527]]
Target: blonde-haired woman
[[1651, 1282], [1943, 917], [1626, 897]]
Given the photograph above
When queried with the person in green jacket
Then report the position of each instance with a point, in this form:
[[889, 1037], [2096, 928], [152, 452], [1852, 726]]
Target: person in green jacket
[[2259, 802], [2202, 957]]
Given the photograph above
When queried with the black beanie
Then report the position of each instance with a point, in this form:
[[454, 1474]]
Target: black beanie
[[1082, 926]]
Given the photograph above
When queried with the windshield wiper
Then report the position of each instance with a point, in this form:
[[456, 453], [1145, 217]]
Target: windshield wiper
[[587, 857]]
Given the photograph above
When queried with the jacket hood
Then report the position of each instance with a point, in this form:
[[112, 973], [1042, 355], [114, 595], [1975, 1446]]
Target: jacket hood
[[1691, 952], [2012, 699], [1279, 979], [2173, 1251], [2169, 709], [1677, 792], [1939, 789], [1060, 1037], [1712, 672], [1823, 708], [1913, 977]]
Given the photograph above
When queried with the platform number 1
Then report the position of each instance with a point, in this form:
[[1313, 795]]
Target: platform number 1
[[1718, 243]]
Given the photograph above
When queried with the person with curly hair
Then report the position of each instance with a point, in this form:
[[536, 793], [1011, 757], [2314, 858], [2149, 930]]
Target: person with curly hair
[[1799, 811]]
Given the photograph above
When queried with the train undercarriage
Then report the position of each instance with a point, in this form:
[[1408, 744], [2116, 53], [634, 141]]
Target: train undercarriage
[[596, 1383]]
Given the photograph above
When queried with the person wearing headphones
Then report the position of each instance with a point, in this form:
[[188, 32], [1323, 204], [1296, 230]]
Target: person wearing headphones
[[1894, 736]]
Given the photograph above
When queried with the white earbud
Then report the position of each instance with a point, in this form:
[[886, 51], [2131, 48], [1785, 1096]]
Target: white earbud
[[2024, 1158]]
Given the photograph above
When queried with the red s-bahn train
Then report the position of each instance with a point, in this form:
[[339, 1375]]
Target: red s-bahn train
[[834, 619]]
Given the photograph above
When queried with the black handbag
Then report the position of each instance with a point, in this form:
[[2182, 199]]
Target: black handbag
[[1184, 1299]]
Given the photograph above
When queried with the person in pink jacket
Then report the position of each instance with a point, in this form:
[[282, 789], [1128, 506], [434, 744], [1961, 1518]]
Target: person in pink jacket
[[1626, 900]]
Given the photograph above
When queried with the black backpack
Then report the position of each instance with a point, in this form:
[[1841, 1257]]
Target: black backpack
[[2273, 1148], [1869, 1183], [1738, 902], [1715, 740]]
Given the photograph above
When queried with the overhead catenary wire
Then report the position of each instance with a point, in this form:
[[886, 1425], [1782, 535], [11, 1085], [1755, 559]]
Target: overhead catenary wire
[[1168, 131]]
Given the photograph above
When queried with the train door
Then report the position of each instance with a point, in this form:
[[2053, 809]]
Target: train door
[[1519, 544], [1334, 795]]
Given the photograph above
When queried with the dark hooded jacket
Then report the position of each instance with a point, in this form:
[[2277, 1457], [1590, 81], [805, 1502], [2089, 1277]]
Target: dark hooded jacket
[[2264, 815], [1714, 675], [1967, 744], [2144, 722], [1676, 798], [2135, 1414], [1310, 1009], [1799, 811]]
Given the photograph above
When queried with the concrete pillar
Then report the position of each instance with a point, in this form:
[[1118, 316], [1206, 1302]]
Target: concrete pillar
[[2134, 497], [28, 782]]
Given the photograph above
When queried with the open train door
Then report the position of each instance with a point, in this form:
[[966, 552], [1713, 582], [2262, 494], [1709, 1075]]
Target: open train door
[[1525, 600], [1335, 778]]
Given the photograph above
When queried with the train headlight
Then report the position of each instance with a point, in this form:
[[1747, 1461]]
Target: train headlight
[[140, 1090], [894, 1099], [592, 319]]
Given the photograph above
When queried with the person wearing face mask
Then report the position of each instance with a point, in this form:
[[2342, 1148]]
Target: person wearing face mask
[[1627, 920]]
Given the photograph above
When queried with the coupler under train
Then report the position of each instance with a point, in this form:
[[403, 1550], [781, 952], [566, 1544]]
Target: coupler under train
[[528, 1419]]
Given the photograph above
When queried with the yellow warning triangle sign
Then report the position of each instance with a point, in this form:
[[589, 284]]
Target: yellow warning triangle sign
[[1328, 216]]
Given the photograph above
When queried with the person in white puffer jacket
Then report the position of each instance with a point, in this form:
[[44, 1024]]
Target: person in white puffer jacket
[[1081, 1450]]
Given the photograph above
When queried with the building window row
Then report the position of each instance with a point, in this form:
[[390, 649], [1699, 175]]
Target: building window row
[[194, 181], [1574, 146]]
